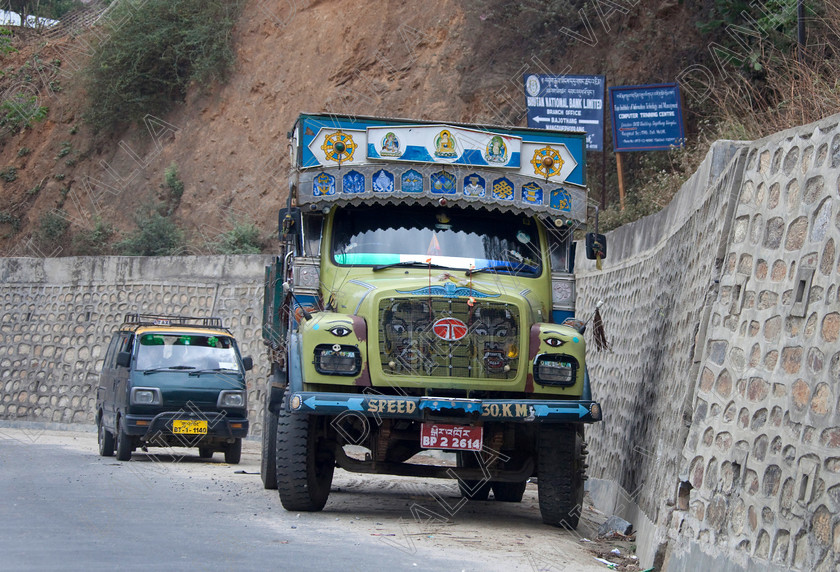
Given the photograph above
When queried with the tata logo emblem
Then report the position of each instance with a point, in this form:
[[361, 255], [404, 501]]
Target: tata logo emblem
[[449, 329]]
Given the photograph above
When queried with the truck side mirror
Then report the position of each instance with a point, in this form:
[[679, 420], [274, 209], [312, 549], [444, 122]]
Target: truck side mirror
[[288, 222], [124, 359], [596, 246], [248, 363]]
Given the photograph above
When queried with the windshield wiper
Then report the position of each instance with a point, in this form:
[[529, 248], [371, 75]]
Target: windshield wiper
[[415, 263], [214, 370], [504, 268], [174, 367]]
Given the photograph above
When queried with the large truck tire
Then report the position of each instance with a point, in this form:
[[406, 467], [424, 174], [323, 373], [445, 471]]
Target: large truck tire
[[304, 465], [473, 490], [560, 471], [268, 462]]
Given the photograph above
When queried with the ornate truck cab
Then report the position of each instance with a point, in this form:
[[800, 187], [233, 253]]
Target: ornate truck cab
[[423, 298]]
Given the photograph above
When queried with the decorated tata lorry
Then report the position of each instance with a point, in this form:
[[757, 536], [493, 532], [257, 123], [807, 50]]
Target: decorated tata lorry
[[423, 298]]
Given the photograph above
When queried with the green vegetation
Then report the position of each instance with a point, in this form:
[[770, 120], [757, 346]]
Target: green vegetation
[[175, 184], [66, 148], [151, 59], [8, 174], [51, 227], [6, 46], [156, 235], [20, 111], [44, 8], [24, 151], [94, 241], [243, 238], [10, 219]]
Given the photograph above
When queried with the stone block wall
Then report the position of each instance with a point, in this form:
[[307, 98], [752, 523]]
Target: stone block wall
[[762, 460], [57, 316], [656, 283], [722, 421]]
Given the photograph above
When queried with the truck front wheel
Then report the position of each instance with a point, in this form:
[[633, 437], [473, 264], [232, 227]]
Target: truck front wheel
[[304, 463], [560, 475]]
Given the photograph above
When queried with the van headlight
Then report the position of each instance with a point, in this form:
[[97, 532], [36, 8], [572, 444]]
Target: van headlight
[[145, 396], [229, 398], [555, 369]]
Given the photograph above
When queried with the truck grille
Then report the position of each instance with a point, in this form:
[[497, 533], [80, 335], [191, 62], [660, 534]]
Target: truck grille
[[446, 337]]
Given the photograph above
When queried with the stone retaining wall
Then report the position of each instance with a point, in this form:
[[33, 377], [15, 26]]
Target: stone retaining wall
[[721, 393], [58, 315]]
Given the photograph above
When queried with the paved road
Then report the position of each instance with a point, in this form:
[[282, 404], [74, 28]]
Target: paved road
[[64, 507]]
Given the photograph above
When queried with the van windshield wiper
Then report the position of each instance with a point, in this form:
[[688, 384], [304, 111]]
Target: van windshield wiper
[[213, 370], [169, 368], [414, 263], [519, 266]]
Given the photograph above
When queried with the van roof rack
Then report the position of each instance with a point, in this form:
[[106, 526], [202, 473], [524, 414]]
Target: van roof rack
[[138, 320]]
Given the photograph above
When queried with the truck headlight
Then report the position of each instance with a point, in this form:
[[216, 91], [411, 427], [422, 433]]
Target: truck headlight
[[145, 396], [555, 369], [229, 398], [337, 359]]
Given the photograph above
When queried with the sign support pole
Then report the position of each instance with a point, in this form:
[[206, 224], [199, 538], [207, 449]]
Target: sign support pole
[[620, 179], [604, 151]]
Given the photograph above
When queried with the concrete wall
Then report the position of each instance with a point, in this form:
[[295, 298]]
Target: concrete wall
[[721, 431], [58, 315]]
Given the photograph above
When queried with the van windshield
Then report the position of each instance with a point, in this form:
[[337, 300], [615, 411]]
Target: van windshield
[[442, 237], [186, 351]]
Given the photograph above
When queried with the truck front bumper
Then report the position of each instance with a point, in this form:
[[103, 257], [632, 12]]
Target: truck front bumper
[[448, 408]]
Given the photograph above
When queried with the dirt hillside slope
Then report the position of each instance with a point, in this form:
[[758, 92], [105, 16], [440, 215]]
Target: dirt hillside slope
[[442, 60]]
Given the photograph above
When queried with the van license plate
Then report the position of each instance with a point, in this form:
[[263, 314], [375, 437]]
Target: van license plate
[[452, 437], [189, 426]]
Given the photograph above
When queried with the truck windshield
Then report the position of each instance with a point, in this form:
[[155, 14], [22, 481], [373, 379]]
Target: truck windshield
[[442, 237], [186, 352]]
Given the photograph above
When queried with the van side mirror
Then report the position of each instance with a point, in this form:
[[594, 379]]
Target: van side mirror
[[596, 246], [248, 363], [124, 359]]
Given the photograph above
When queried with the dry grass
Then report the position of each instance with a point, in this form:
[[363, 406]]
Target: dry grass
[[796, 89]]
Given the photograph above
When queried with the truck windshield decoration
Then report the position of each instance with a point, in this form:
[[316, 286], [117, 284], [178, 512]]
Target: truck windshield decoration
[[186, 352], [448, 238]]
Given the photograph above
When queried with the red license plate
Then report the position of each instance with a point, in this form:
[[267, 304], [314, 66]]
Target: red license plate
[[455, 437]]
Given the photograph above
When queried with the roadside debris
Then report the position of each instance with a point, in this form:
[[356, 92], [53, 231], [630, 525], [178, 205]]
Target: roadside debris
[[615, 524]]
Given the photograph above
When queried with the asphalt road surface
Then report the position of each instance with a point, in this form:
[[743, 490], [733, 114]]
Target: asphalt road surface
[[66, 508]]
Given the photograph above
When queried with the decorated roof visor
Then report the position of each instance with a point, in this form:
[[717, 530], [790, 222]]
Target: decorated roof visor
[[443, 144], [352, 160]]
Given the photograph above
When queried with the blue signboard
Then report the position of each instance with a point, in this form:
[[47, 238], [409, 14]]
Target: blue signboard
[[567, 103], [646, 117]]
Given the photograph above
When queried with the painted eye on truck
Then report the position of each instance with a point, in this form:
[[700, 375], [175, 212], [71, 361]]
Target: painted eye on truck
[[340, 331], [554, 342]]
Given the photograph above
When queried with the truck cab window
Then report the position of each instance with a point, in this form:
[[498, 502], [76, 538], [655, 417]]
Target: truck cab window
[[444, 237]]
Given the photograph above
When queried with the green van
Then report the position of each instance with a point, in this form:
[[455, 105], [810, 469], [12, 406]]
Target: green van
[[172, 381]]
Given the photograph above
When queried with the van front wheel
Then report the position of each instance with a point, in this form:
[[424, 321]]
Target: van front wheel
[[233, 452]]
